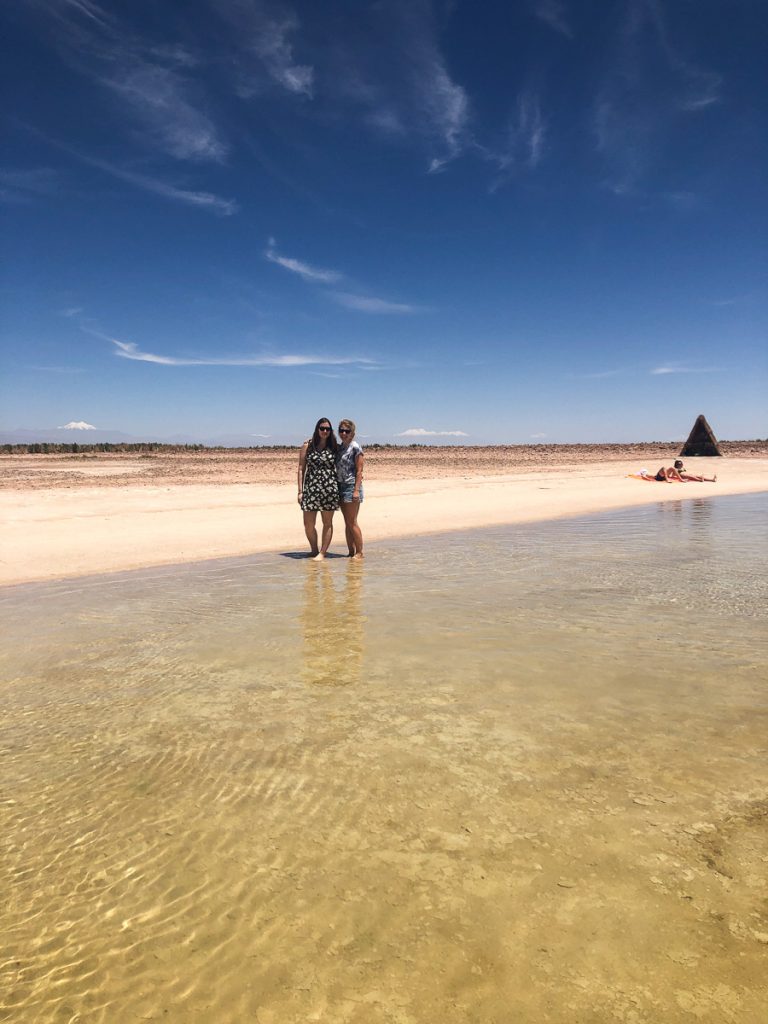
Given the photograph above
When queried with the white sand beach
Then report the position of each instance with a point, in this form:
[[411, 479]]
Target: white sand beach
[[66, 517]]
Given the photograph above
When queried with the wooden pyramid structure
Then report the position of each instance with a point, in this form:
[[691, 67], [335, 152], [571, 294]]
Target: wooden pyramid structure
[[701, 440]]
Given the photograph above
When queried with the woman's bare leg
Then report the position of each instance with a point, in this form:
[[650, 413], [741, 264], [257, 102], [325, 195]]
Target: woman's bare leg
[[310, 518], [327, 518], [354, 534], [346, 508]]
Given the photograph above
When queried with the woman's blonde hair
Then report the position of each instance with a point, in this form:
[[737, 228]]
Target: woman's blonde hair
[[350, 424]]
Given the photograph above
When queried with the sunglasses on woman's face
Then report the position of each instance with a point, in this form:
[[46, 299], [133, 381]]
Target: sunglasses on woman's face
[[343, 430], [323, 428]]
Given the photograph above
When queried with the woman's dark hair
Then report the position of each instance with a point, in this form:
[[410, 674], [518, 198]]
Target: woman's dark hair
[[331, 443]]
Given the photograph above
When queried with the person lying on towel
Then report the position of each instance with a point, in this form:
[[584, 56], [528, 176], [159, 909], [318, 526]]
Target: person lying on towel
[[673, 474]]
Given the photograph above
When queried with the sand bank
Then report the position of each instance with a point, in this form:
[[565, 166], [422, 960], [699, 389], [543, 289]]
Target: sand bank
[[84, 527]]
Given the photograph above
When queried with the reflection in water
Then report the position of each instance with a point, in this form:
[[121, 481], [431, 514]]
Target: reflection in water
[[332, 624], [701, 511], [689, 521]]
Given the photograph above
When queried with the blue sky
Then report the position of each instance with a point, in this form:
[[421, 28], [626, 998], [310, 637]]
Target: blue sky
[[498, 222]]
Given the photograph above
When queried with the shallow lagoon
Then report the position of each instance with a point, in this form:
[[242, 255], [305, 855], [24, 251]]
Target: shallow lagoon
[[514, 775]]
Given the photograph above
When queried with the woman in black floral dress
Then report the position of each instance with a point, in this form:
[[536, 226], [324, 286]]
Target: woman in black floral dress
[[319, 485]]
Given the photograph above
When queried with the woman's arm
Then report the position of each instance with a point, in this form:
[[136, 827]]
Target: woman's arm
[[302, 468], [358, 475]]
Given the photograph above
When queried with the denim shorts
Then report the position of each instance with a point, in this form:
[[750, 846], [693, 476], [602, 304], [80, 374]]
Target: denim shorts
[[346, 491]]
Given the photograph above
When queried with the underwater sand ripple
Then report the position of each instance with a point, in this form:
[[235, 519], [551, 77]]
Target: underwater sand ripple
[[500, 801]]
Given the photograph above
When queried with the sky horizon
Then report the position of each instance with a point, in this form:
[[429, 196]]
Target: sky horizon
[[519, 223]]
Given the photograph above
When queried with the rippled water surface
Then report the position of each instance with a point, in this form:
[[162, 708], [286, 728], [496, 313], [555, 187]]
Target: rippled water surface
[[518, 775]]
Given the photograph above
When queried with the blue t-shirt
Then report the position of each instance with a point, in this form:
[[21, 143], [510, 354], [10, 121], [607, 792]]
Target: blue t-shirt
[[346, 463]]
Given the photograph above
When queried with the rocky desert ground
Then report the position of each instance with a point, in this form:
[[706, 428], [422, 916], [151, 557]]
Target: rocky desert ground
[[278, 465]]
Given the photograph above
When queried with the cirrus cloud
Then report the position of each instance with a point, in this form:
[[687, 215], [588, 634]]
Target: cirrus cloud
[[157, 97], [130, 350], [354, 300], [315, 275], [372, 304], [660, 371]]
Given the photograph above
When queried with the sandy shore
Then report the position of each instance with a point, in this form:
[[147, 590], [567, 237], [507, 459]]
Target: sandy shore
[[72, 515]]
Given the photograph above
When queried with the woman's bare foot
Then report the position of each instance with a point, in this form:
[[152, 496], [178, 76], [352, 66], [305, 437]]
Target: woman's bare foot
[[319, 556], [358, 554]]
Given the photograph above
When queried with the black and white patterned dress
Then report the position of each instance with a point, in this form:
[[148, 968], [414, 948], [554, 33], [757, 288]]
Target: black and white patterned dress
[[321, 485]]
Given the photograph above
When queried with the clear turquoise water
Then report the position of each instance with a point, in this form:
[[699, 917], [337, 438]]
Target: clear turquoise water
[[324, 772]]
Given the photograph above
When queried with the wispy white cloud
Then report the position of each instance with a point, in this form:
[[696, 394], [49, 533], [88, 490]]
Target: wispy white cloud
[[649, 85], [390, 68], [707, 93], [130, 350], [357, 301], [446, 106], [388, 71], [387, 121], [735, 300], [89, 9], [152, 80], [679, 368], [683, 200], [525, 142], [537, 437], [262, 41], [530, 127], [158, 97], [552, 12], [371, 304], [273, 47], [423, 432], [77, 425], [696, 89], [313, 274], [202, 200], [661, 370]]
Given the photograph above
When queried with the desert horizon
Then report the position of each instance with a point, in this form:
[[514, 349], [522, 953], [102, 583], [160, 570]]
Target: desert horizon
[[276, 464]]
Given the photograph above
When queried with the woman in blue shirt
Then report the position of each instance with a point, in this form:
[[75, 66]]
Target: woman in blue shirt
[[349, 467]]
